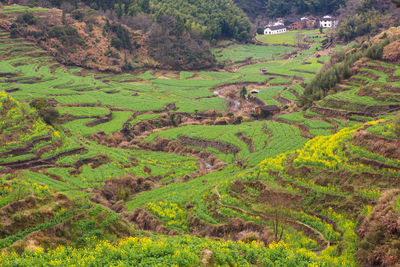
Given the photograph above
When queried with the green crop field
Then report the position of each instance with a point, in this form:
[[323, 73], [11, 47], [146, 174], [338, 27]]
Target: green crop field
[[289, 37], [237, 53]]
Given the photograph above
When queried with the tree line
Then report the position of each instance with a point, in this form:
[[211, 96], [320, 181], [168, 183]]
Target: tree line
[[282, 8]]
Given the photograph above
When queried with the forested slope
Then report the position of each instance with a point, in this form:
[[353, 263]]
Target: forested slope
[[213, 19], [281, 8]]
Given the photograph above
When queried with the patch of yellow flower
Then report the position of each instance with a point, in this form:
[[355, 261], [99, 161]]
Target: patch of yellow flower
[[169, 212], [276, 164], [374, 122], [325, 151]]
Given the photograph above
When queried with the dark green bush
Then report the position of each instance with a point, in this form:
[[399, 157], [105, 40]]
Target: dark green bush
[[78, 14], [122, 38], [49, 115], [27, 18], [376, 51], [14, 31], [67, 35], [45, 110]]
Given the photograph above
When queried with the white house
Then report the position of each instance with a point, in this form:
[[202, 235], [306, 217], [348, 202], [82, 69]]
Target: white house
[[275, 29], [328, 22]]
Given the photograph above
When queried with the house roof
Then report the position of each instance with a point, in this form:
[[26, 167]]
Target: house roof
[[274, 28], [292, 19], [271, 108], [328, 18]]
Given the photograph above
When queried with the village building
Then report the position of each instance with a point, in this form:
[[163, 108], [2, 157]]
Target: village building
[[272, 109], [309, 22], [263, 71], [312, 23], [297, 25], [278, 21], [275, 29], [266, 111], [328, 22]]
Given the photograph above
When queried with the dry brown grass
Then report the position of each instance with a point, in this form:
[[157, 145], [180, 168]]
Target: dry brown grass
[[391, 52]]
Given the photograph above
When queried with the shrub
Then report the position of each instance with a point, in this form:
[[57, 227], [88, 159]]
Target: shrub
[[122, 38], [39, 103], [67, 35], [49, 115], [14, 31], [78, 14], [45, 110], [243, 92], [20, 217], [376, 51], [123, 193], [27, 18]]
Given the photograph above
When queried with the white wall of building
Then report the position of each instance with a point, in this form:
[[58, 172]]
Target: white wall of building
[[269, 31], [328, 22]]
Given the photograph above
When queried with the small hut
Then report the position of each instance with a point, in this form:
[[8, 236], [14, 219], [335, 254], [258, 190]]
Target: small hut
[[272, 109], [266, 111]]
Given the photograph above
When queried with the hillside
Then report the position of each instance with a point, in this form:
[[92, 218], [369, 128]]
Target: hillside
[[288, 154], [115, 36], [29, 205], [89, 39]]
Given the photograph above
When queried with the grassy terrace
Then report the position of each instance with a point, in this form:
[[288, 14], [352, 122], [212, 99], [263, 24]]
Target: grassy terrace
[[367, 93], [237, 53], [290, 37]]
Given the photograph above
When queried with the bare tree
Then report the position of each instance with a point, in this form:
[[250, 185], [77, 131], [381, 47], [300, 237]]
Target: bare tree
[[280, 202], [67, 7], [278, 223]]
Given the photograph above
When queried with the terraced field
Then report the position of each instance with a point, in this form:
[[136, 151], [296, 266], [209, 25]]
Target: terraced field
[[289, 38], [181, 153], [370, 94]]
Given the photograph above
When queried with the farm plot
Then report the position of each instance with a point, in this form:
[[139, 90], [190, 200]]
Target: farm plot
[[237, 53], [83, 111], [315, 126], [117, 163], [290, 37], [370, 92], [269, 94], [223, 133]]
